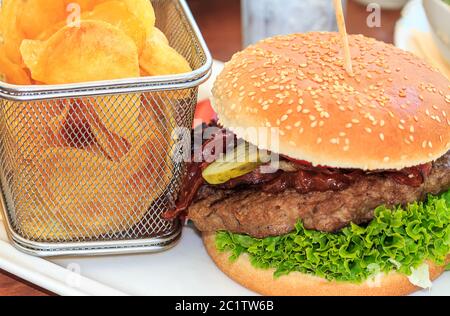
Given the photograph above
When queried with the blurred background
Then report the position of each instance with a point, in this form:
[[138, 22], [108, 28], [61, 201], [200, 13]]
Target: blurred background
[[420, 26], [222, 21]]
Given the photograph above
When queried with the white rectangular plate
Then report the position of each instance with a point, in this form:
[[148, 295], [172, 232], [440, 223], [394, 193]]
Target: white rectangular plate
[[183, 270]]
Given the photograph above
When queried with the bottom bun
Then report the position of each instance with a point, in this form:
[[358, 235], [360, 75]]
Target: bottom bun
[[300, 284]]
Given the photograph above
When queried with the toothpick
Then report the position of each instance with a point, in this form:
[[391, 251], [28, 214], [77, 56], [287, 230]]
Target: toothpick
[[344, 36]]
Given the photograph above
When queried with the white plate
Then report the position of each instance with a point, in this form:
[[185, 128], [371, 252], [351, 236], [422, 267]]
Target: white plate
[[183, 270]]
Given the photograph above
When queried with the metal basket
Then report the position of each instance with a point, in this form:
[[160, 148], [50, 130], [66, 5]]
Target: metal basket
[[89, 168]]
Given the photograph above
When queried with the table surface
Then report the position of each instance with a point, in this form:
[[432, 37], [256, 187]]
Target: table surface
[[220, 22]]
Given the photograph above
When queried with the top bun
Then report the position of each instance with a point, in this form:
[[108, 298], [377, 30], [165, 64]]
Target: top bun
[[393, 113]]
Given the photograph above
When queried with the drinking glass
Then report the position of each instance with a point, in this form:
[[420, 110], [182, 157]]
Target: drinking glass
[[266, 18]]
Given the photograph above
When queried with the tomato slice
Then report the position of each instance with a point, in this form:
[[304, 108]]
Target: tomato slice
[[204, 113]]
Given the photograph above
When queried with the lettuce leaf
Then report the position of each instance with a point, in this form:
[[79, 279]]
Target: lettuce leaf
[[399, 239]]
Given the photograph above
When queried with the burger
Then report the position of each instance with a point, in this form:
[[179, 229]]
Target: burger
[[358, 202]]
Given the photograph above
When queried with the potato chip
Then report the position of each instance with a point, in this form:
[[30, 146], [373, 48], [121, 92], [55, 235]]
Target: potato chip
[[9, 31], [94, 51], [85, 5], [155, 140], [158, 58], [144, 11], [36, 16], [77, 132], [77, 194], [117, 13], [12, 73], [114, 146], [79, 190], [35, 126], [119, 114], [31, 50], [160, 36], [47, 33]]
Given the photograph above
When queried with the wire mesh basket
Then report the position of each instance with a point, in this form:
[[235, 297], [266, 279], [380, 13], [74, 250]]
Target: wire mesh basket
[[89, 168]]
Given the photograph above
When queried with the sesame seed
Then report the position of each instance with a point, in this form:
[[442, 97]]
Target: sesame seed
[[386, 159], [319, 140], [381, 136], [334, 141], [349, 125], [424, 144], [346, 148], [368, 130], [284, 118], [297, 124]]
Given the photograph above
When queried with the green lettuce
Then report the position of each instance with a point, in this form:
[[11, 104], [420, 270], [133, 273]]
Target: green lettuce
[[398, 239]]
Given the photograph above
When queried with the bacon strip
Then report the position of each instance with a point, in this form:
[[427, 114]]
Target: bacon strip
[[307, 178], [194, 180]]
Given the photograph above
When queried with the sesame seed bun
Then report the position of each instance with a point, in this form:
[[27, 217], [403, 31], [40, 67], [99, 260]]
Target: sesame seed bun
[[296, 284], [393, 113]]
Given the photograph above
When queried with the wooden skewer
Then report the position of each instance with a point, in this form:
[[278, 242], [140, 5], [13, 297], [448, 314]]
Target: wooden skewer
[[344, 37]]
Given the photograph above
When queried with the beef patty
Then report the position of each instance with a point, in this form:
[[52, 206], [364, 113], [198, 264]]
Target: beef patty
[[260, 214]]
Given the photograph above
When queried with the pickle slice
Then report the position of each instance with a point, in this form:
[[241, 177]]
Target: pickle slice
[[242, 160]]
